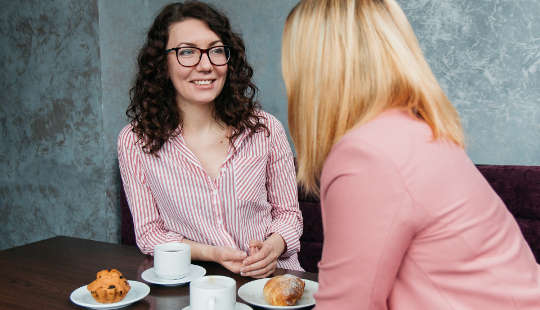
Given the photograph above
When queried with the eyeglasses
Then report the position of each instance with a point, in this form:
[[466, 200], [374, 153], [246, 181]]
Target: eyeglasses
[[191, 56]]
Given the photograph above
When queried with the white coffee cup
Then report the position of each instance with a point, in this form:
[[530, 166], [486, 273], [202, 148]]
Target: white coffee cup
[[172, 260], [212, 293]]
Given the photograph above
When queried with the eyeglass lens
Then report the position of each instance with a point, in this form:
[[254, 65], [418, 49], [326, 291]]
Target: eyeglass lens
[[190, 56]]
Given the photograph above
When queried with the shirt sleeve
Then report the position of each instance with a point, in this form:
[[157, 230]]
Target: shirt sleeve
[[148, 224], [283, 191], [368, 227]]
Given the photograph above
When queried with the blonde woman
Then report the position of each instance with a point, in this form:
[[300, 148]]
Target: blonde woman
[[409, 222]]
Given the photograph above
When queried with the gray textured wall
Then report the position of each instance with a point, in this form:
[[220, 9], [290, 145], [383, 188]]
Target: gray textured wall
[[51, 168], [67, 67], [486, 56]]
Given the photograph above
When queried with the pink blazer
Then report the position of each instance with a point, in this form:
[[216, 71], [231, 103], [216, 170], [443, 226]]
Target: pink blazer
[[410, 223]]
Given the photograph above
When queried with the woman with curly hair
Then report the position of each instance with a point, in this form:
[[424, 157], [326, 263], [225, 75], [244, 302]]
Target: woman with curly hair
[[200, 162]]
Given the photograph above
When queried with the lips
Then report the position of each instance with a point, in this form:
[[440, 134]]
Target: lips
[[202, 82]]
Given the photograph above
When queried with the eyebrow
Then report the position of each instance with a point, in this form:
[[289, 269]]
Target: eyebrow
[[195, 45]]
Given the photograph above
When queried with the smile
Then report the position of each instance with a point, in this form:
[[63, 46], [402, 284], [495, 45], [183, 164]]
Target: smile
[[203, 82]]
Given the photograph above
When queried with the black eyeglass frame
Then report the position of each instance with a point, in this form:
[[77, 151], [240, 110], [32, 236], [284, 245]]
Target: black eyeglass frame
[[202, 52]]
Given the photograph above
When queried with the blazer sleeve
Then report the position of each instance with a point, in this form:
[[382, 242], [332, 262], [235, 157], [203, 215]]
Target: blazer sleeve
[[368, 223], [149, 226]]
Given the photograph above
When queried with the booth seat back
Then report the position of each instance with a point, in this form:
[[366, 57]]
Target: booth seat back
[[518, 187], [127, 229]]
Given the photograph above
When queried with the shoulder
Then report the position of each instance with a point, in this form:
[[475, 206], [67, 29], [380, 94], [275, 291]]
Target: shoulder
[[353, 154], [127, 139], [389, 131], [268, 120], [394, 134], [392, 130], [268, 141], [126, 133], [377, 147], [393, 145], [275, 127]]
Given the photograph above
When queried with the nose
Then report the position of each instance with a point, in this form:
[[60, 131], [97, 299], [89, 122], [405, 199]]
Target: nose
[[204, 64]]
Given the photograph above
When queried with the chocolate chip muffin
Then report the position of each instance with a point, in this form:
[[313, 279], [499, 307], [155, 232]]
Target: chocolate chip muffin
[[109, 286]]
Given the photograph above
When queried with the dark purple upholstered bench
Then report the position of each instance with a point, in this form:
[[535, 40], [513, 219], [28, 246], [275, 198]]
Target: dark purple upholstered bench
[[518, 187]]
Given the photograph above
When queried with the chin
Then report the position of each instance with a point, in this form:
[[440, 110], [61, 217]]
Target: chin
[[204, 101]]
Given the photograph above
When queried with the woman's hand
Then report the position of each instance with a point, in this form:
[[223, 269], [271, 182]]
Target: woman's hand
[[263, 256], [229, 258]]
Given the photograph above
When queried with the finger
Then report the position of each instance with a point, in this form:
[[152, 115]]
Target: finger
[[266, 275], [257, 265], [232, 266], [233, 254], [262, 272], [258, 256], [253, 250], [238, 255], [256, 244]]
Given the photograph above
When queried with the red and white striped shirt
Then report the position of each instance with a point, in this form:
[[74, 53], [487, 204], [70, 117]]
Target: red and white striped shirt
[[254, 195]]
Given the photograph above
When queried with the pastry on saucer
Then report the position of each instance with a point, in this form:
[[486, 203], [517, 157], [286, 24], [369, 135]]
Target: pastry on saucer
[[109, 286], [283, 290]]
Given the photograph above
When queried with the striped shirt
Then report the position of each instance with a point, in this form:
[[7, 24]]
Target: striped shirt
[[253, 196]]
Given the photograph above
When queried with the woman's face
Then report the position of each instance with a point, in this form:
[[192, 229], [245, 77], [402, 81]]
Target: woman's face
[[200, 84]]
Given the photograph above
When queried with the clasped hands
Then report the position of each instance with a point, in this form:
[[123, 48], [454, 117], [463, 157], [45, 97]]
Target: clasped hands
[[260, 262]]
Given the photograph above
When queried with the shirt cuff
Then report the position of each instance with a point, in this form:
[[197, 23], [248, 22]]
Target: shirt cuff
[[148, 246], [289, 235]]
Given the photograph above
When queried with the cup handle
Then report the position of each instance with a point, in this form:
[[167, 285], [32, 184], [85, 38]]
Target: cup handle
[[212, 303]]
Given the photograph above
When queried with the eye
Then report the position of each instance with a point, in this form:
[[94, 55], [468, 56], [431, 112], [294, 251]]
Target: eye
[[220, 50], [187, 51]]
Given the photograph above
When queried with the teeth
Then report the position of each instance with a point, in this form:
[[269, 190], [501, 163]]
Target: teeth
[[204, 82]]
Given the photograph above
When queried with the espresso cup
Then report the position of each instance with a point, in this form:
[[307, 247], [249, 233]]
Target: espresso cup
[[212, 293], [172, 260]]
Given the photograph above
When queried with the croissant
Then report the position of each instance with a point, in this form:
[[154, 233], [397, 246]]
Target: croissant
[[284, 290]]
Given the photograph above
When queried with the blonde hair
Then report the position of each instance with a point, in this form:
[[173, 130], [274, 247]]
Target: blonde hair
[[346, 61]]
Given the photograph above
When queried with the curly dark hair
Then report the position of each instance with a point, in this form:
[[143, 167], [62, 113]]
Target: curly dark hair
[[153, 111]]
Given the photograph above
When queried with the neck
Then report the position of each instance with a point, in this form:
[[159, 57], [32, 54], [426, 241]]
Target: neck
[[197, 117]]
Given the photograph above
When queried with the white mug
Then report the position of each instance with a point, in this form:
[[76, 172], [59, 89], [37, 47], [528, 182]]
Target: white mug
[[172, 260], [212, 293]]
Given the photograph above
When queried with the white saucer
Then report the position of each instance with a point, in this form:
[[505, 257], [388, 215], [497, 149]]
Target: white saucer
[[239, 306], [195, 272], [252, 292], [83, 298]]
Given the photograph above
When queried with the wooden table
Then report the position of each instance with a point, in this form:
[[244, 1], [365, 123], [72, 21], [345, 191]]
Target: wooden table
[[42, 275]]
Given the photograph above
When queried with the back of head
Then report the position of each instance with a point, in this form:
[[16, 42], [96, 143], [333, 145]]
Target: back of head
[[346, 61]]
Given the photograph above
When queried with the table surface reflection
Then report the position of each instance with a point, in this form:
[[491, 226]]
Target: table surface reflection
[[42, 275]]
